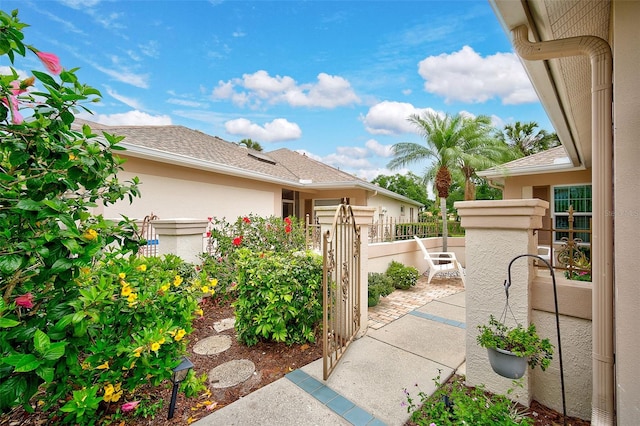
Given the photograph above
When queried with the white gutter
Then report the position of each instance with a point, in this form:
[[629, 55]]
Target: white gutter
[[599, 52], [529, 170]]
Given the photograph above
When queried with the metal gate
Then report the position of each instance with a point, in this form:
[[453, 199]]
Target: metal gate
[[148, 233], [341, 287]]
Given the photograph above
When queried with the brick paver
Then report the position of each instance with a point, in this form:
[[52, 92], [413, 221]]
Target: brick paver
[[401, 302]]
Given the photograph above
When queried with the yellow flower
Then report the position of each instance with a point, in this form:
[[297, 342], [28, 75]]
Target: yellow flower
[[85, 366], [205, 289], [132, 296], [165, 287], [177, 280], [172, 333], [199, 311], [122, 275], [72, 157], [213, 282], [85, 270], [104, 366], [142, 268], [126, 291], [180, 334], [90, 234], [161, 341], [108, 392], [137, 351], [132, 304], [155, 346]]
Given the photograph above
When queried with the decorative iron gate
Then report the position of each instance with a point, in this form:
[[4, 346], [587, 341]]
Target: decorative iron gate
[[341, 287], [148, 233]]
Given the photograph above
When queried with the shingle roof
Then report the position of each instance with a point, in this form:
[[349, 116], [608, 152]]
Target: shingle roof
[[554, 159], [283, 165]]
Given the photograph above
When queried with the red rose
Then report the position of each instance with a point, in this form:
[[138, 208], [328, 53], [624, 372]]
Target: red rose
[[237, 241], [287, 220], [246, 220], [287, 229]]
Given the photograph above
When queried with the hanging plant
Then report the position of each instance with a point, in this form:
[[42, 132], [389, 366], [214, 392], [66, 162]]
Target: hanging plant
[[516, 341]]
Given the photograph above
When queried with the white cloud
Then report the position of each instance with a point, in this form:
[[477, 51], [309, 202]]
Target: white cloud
[[133, 103], [80, 4], [378, 149], [390, 118], [352, 151], [187, 103], [342, 161], [277, 130], [130, 118], [5, 70], [151, 49], [468, 77], [124, 76], [259, 88]]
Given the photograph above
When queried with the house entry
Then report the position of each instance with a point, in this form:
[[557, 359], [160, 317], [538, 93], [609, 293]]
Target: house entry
[[341, 286]]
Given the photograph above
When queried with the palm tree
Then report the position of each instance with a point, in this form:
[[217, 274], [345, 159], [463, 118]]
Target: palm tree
[[442, 135], [251, 144], [525, 140], [479, 150]]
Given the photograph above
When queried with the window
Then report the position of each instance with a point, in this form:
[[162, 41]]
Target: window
[[578, 196]]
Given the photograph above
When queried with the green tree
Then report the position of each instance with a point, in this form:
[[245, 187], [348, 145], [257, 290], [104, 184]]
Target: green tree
[[251, 144], [526, 140], [410, 185], [445, 140]]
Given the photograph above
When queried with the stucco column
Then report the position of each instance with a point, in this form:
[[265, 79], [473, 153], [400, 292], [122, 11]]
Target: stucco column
[[182, 237], [495, 233], [363, 217]]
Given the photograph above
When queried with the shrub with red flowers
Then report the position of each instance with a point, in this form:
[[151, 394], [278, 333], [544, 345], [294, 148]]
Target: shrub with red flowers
[[75, 335]]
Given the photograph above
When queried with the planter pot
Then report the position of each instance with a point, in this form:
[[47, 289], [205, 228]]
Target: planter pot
[[506, 363]]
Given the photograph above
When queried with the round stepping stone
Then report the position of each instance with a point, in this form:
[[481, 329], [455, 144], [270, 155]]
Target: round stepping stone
[[224, 324], [231, 373], [212, 345]]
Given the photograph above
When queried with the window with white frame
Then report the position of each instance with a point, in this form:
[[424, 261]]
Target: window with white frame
[[578, 196]]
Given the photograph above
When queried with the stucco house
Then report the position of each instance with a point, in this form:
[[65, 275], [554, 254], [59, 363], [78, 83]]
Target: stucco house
[[185, 173], [582, 58]]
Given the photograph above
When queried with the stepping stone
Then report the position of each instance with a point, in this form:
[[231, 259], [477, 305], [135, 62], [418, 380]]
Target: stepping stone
[[231, 373], [224, 324], [212, 345]]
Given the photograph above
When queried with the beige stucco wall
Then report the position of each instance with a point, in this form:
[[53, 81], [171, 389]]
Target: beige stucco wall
[[516, 187], [408, 253], [576, 362], [626, 120], [393, 207], [177, 192]]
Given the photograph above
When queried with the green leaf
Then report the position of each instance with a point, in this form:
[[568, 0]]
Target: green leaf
[[10, 263], [22, 363], [45, 373], [11, 390], [46, 79], [41, 341], [8, 323], [30, 205], [17, 158], [61, 265], [55, 351]]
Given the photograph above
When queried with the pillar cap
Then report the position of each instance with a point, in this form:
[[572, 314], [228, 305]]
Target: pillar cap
[[502, 214]]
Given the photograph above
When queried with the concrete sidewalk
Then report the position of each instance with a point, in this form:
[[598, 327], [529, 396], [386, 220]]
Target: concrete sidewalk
[[366, 388]]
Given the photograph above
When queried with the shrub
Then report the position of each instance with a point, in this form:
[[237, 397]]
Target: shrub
[[403, 277], [379, 285], [83, 322], [456, 404], [279, 296]]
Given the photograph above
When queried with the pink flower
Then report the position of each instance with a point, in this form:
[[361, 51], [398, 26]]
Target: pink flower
[[51, 61], [209, 219], [130, 406], [26, 300], [237, 241], [246, 220], [12, 102], [208, 234]]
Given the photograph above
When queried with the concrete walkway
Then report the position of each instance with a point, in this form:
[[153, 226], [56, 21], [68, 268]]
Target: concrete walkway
[[366, 388]]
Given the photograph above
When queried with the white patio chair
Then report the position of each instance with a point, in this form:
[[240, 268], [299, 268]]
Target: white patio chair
[[443, 268]]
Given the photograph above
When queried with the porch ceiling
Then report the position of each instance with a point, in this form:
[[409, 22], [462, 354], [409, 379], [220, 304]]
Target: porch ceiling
[[563, 85]]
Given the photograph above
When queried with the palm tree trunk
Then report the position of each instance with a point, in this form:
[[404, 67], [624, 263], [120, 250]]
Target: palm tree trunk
[[445, 228]]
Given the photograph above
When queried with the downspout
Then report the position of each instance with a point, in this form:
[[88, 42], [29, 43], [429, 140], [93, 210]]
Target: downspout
[[599, 52]]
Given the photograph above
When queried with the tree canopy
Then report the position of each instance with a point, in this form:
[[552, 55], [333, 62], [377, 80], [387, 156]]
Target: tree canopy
[[410, 185], [526, 140]]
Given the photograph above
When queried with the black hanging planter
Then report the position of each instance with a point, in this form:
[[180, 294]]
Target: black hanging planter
[[507, 364]]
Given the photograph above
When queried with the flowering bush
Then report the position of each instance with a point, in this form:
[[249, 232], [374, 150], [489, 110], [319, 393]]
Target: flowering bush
[[279, 296], [76, 332], [252, 232]]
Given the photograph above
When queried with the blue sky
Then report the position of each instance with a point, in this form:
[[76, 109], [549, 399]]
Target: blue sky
[[333, 79]]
